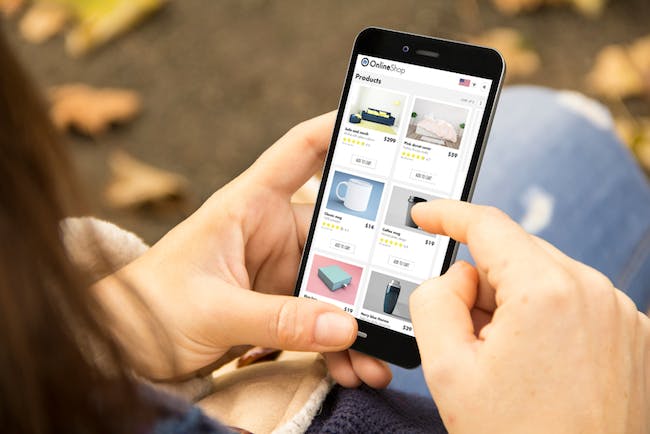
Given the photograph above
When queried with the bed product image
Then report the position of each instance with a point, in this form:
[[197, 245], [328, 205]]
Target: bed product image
[[334, 277], [437, 129], [378, 116]]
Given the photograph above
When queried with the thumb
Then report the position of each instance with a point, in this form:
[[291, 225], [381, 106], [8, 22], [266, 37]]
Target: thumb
[[284, 322], [440, 310], [304, 146]]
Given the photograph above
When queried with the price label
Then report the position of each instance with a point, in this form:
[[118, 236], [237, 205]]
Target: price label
[[407, 328], [347, 309], [429, 243], [452, 154], [390, 139], [370, 226]]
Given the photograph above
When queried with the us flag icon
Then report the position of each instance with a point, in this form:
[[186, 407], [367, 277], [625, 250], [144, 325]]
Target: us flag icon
[[463, 82]]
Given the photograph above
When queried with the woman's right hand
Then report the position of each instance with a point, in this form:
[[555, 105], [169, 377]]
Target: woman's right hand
[[529, 340]]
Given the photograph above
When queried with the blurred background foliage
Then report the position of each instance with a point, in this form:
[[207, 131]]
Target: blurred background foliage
[[198, 89]]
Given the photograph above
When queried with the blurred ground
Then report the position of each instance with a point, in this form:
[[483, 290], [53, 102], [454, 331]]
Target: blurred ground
[[221, 80]]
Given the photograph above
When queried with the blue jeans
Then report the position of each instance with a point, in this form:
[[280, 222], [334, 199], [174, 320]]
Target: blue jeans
[[554, 164]]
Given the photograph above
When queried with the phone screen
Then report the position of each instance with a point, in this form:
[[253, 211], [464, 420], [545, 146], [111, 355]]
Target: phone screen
[[407, 135]]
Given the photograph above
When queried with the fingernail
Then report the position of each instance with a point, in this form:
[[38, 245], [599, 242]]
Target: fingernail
[[333, 329]]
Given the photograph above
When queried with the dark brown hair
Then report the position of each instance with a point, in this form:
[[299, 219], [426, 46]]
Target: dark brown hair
[[49, 380]]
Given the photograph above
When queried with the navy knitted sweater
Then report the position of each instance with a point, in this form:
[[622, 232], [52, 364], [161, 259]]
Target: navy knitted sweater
[[361, 410]]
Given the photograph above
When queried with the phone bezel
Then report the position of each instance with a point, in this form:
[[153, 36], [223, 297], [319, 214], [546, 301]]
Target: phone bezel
[[391, 346]]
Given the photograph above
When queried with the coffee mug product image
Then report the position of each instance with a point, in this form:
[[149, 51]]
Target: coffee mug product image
[[412, 200], [392, 294], [357, 194]]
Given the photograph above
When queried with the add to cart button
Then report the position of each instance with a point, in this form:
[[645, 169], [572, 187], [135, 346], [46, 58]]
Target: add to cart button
[[370, 163], [342, 245], [419, 175], [399, 262]]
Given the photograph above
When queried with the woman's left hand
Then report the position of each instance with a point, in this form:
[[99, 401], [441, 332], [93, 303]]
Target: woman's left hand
[[224, 276]]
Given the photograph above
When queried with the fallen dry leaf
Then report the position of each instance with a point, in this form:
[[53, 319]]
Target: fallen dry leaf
[[91, 111], [635, 133], [639, 52], [96, 22], [614, 75], [591, 8], [626, 130], [9, 7], [135, 183], [643, 154], [42, 21], [513, 7], [521, 60], [621, 71], [101, 21]]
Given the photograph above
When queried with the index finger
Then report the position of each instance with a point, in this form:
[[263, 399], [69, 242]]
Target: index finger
[[296, 156], [507, 254]]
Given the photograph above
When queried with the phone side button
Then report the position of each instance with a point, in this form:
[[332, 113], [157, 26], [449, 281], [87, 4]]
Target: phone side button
[[362, 334]]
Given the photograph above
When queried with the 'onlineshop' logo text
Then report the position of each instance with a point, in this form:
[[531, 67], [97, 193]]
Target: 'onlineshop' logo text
[[381, 65]]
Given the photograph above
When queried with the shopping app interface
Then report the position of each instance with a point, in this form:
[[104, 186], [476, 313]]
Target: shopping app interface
[[407, 136]]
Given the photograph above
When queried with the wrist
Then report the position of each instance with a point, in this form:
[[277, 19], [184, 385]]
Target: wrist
[[133, 323]]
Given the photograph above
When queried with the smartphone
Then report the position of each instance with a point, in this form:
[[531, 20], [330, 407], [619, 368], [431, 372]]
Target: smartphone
[[412, 123]]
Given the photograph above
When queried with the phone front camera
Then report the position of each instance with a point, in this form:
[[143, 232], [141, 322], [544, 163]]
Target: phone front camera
[[405, 48]]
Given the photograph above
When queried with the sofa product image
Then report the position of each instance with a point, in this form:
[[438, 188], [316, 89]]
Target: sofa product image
[[378, 116], [334, 277], [430, 128], [355, 118]]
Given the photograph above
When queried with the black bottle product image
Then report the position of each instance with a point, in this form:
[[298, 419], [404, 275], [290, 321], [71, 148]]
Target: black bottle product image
[[412, 200], [392, 294]]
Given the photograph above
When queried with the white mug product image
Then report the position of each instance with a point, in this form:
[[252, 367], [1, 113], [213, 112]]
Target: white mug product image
[[357, 194]]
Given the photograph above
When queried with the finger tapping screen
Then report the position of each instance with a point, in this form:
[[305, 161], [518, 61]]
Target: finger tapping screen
[[407, 136]]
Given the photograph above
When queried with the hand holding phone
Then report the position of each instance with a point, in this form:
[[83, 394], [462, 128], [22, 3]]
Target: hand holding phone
[[411, 127]]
